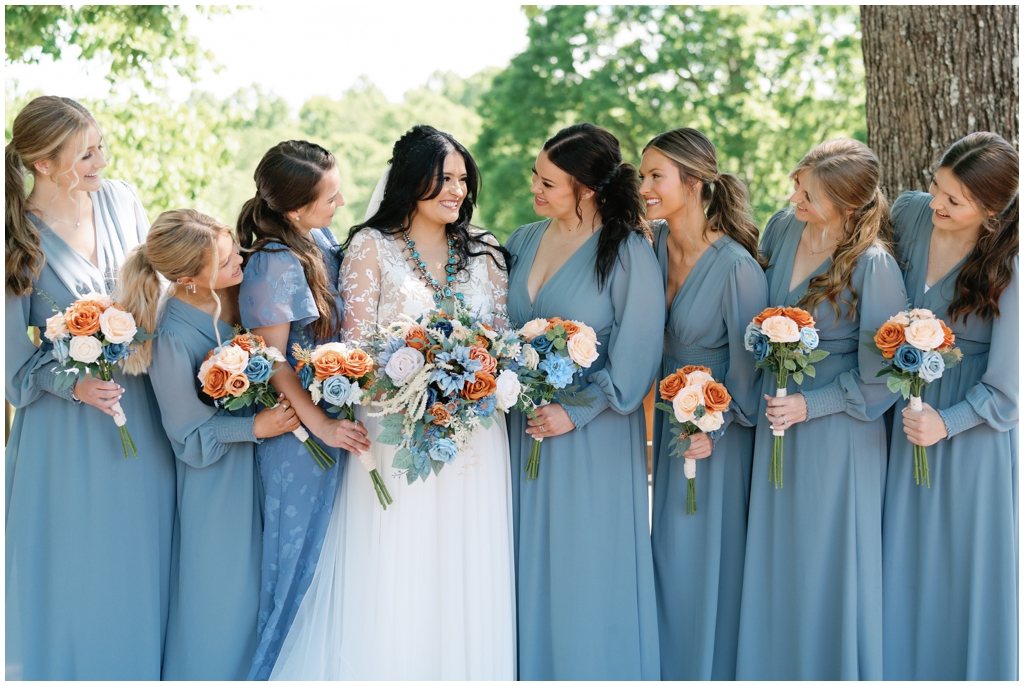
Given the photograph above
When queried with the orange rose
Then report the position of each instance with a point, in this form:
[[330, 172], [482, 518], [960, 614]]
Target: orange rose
[[488, 362], [440, 415], [417, 338], [949, 339], [801, 317], [889, 337], [570, 328], [671, 385], [482, 341], [481, 388], [553, 322], [359, 363], [216, 384], [329, 363], [431, 351], [693, 368], [237, 384], [210, 354], [248, 342], [716, 397], [83, 317], [769, 312]]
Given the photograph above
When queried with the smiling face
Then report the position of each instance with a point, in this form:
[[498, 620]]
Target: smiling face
[[82, 159], [228, 270], [662, 187], [320, 212], [811, 205], [444, 208], [552, 190], [953, 208]]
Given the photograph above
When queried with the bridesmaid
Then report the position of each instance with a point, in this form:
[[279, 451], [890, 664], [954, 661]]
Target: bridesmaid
[[88, 532], [211, 630], [716, 287], [286, 297], [950, 552], [584, 571], [812, 582]]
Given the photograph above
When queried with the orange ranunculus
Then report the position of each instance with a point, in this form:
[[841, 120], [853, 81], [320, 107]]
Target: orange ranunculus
[[216, 383], [358, 364], [329, 363], [768, 312], [489, 364], [83, 317], [481, 388], [439, 413], [801, 317], [949, 339], [693, 368], [889, 337], [416, 337], [671, 385], [570, 328], [482, 341], [237, 384], [248, 342], [431, 351], [716, 397]]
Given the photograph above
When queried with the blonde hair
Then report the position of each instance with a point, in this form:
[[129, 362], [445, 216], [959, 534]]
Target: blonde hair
[[846, 172], [180, 243], [42, 131]]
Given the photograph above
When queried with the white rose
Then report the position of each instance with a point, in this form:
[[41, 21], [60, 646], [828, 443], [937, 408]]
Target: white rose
[[56, 327], [698, 378], [533, 328], [273, 354], [314, 391], [507, 392], [582, 350], [531, 358], [686, 403], [117, 325], [355, 395], [925, 334], [403, 363], [780, 329], [232, 359], [711, 421], [103, 300], [85, 349], [585, 331]]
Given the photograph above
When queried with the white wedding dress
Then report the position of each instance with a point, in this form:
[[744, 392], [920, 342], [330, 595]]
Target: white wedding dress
[[426, 589]]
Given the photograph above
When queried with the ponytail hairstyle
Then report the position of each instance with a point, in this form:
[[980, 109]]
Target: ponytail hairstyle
[[43, 130], [417, 173], [591, 157], [724, 196], [988, 167], [180, 243], [847, 174], [288, 178]]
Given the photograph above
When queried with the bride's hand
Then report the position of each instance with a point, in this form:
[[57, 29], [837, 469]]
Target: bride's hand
[[552, 420], [342, 433]]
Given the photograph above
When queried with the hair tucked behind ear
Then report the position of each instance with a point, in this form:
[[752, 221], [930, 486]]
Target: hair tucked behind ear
[[180, 243], [590, 155], [288, 178]]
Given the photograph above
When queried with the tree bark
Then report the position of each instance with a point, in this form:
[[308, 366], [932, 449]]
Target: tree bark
[[933, 75]]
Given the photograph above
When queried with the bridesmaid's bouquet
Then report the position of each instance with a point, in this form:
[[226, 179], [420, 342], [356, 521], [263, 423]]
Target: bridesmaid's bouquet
[[437, 379], [237, 374], [94, 335], [918, 348], [783, 341], [552, 352], [698, 405], [339, 375]]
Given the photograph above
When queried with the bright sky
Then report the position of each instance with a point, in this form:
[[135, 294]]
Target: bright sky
[[300, 49]]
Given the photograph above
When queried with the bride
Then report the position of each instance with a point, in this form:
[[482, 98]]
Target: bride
[[424, 590]]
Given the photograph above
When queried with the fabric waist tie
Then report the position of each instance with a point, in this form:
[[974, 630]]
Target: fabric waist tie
[[695, 354], [839, 346]]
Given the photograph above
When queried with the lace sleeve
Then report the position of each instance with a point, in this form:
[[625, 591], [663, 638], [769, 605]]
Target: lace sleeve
[[359, 285], [499, 284]]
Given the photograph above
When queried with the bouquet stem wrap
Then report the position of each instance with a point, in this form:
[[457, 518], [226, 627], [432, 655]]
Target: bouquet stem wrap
[[533, 464], [370, 465], [775, 470], [127, 444], [921, 475], [690, 472]]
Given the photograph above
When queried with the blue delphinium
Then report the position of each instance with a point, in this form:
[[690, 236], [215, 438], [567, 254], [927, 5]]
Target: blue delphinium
[[451, 382], [559, 370], [932, 366], [259, 368], [336, 390], [112, 352], [443, 450], [485, 406], [908, 358]]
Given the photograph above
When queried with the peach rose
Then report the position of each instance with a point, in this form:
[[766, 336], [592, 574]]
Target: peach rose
[[329, 360], [237, 384], [716, 397], [440, 415], [215, 384], [671, 385], [248, 342], [801, 317], [56, 327], [686, 403], [586, 331], [768, 312], [925, 334], [359, 363], [233, 359], [900, 318], [489, 363], [888, 338], [83, 317], [533, 328], [117, 325], [104, 301], [699, 377], [780, 329], [416, 337], [481, 388], [949, 338], [581, 349]]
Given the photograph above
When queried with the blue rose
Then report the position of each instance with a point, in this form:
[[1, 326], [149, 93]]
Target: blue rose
[[932, 366], [559, 370], [443, 450], [443, 326], [60, 350], [908, 358], [306, 375], [542, 344], [750, 335], [809, 337], [112, 352], [760, 347], [432, 395], [259, 368], [336, 390]]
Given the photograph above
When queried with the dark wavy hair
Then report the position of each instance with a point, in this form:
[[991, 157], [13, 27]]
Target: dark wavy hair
[[288, 178], [988, 167], [591, 157], [417, 173]]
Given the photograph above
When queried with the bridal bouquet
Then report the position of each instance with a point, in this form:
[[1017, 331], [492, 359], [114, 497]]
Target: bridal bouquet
[[94, 336], [698, 405], [437, 379], [783, 341], [553, 351], [339, 374], [237, 374], [918, 348]]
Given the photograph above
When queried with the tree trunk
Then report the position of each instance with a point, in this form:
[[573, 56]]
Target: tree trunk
[[933, 75]]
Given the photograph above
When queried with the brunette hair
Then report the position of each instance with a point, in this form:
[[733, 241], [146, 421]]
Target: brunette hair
[[417, 173], [179, 243], [288, 178], [591, 157], [43, 130], [847, 174], [988, 167], [724, 196]]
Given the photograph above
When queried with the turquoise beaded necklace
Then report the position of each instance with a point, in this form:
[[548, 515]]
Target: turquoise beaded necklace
[[448, 291]]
